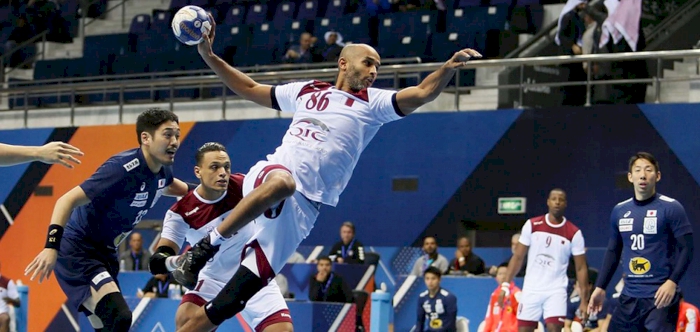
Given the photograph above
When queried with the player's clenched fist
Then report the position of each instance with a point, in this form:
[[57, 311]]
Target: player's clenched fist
[[460, 58], [42, 265], [194, 260]]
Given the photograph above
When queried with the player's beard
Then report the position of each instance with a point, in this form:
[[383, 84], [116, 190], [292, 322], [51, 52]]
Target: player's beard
[[355, 80]]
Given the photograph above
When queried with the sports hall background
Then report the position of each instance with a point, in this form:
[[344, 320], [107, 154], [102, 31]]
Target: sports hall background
[[463, 162]]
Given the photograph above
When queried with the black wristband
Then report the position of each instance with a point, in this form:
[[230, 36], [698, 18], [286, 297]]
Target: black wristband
[[53, 239]]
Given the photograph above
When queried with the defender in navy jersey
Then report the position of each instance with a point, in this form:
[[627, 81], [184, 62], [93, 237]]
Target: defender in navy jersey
[[652, 239], [91, 220]]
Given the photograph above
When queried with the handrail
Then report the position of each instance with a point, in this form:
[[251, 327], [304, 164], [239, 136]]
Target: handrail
[[331, 72], [199, 72], [121, 4], [8, 54]]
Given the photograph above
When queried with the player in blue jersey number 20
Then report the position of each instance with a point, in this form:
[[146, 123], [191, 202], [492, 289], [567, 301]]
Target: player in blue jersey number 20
[[653, 237]]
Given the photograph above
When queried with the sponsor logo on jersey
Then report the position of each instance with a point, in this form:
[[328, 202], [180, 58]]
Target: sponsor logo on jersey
[[639, 265], [544, 260], [143, 186], [651, 213], [189, 213], [627, 214], [626, 228], [141, 196], [649, 225], [140, 200], [537, 223], [626, 221], [308, 129], [132, 164], [284, 314], [436, 323], [99, 277]]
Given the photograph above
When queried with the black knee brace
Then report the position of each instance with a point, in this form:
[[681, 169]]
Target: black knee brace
[[233, 297], [114, 313]]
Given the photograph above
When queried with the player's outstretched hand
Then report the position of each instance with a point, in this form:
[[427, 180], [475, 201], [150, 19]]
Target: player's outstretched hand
[[595, 303], [194, 260], [42, 265], [59, 153], [460, 58], [204, 47], [664, 295]]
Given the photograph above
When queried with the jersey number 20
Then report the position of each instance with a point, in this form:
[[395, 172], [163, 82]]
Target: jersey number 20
[[637, 241]]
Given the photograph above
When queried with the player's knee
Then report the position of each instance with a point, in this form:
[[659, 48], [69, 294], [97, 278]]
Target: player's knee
[[4, 319], [185, 313], [279, 327], [122, 321], [114, 312], [283, 182]]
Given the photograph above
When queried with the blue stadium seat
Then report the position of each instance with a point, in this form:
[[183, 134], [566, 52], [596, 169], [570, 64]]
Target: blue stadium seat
[[291, 31], [307, 10], [403, 46], [140, 24], [355, 28], [175, 5], [256, 14], [48, 70], [186, 59], [416, 23], [464, 21], [69, 12], [124, 65], [284, 12], [441, 46], [500, 2], [528, 2], [466, 3], [234, 15], [322, 25], [201, 3], [263, 48], [159, 37], [230, 39], [100, 51], [335, 9]]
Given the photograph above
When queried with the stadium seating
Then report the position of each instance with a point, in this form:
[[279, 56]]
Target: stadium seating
[[258, 33]]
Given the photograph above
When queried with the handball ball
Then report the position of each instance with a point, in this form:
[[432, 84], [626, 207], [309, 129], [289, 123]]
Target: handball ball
[[189, 23]]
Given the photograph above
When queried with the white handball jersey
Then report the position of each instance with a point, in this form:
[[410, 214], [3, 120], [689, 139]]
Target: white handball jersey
[[7, 289], [193, 217], [330, 129], [550, 247]]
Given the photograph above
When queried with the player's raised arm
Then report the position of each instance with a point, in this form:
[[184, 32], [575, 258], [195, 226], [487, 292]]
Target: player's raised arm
[[50, 153], [409, 99], [178, 188], [238, 82], [43, 264]]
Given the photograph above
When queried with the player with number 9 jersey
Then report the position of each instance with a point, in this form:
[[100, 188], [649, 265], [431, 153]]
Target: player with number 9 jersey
[[91, 220]]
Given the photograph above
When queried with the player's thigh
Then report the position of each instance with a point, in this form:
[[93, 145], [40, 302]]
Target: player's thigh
[[261, 172], [4, 319], [185, 312], [97, 294], [267, 310], [626, 316], [530, 308], [554, 309], [664, 319]]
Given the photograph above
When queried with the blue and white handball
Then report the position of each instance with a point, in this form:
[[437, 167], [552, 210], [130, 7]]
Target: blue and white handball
[[189, 23]]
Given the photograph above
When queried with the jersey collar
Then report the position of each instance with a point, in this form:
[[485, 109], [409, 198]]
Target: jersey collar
[[206, 201], [546, 219]]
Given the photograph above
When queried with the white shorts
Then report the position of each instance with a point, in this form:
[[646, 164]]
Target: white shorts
[[535, 305], [281, 228], [265, 308]]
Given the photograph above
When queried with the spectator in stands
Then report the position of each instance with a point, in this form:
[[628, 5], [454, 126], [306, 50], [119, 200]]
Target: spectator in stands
[[21, 33], [688, 316], [595, 322], [157, 287], [348, 249], [594, 17], [10, 297], [430, 257], [513, 244], [465, 260], [436, 305], [301, 53], [136, 258], [569, 38], [622, 32], [330, 51], [328, 286], [296, 258], [498, 319]]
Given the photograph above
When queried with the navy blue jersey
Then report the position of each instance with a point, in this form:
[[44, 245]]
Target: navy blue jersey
[[437, 313], [574, 314], [648, 232], [121, 191]]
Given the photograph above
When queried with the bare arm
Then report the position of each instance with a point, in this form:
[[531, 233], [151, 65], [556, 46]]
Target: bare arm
[[411, 98], [516, 262], [176, 189], [64, 206], [238, 82], [582, 277], [51, 153]]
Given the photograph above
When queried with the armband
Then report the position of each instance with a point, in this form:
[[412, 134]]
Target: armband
[[157, 264], [53, 239]]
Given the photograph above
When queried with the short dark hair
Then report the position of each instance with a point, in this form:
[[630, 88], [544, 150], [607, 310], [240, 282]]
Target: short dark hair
[[434, 270], [324, 258], [151, 119], [429, 237], [350, 225], [646, 156], [556, 189], [207, 147]]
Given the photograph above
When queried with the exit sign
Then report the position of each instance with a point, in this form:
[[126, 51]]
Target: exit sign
[[511, 205]]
